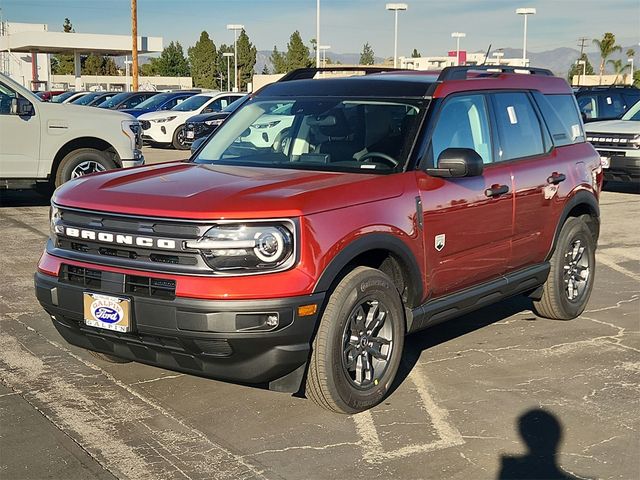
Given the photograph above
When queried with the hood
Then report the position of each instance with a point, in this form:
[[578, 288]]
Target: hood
[[69, 111], [136, 112], [164, 114], [203, 117], [208, 192], [613, 126]]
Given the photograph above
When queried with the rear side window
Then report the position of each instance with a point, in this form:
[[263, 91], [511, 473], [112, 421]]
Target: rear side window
[[463, 123], [561, 116], [518, 126]]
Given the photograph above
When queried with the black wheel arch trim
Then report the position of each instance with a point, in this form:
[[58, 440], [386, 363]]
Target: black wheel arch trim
[[582, 197], [368, 243]]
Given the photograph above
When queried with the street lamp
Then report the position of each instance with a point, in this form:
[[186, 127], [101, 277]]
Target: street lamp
[[317, 33], [228, 55], [323, 49], [235, 28], [458, 36], [396, 7], [525, 12], [127, 64], [584, 70], [630, 60]]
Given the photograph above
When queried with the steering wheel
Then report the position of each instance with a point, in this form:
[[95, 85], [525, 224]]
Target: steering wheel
[[281, 141], [387, 158]]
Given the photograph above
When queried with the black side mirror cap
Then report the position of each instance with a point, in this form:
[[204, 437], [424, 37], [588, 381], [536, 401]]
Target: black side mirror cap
[[457, 162], [196, 144], [22, 107]]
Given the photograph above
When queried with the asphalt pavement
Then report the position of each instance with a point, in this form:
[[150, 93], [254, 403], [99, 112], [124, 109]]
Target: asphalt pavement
[[499, 393]]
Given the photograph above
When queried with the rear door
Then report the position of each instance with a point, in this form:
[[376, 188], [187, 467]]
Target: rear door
[[467, 221]]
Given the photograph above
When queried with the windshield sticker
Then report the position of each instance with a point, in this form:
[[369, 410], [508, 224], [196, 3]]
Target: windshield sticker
[[512, 115]]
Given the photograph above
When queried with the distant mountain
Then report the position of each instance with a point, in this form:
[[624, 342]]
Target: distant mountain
[[263, 58]]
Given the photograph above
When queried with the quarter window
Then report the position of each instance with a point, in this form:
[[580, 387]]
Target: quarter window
[[518, 126], [463, 123]]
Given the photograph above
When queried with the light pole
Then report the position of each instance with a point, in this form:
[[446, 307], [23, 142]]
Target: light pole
[[396, 7], [317, 33], [235, 28], [127, 63], [630, 60], [584, 70], [458, 36], [323, 49], [228, 55], [525, 12]]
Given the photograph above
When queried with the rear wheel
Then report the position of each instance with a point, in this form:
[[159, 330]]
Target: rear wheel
[[82, 162], [109, 358], [179, 138], [568, 288], [358, 347]]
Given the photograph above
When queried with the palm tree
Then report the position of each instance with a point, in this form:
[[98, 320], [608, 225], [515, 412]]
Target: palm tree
[[618, 68], [631, 53], [606, 46]]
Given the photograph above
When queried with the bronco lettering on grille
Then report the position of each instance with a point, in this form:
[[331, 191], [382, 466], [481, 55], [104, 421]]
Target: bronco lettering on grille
[[119, 239]]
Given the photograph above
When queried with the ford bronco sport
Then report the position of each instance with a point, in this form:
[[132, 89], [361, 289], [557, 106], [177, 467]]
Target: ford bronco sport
[[388, 202]]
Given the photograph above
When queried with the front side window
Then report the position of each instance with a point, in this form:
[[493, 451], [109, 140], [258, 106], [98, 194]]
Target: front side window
[[588, 105], [463, 123], [192, 103], [6, 96], [611, 105], [518, 126], [331, 134]]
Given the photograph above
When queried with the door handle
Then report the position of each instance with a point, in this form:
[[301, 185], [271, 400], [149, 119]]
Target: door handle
[[555, 178], [496, 190]]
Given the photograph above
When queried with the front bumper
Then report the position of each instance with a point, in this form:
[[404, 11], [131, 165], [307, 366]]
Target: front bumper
[[138, 162], [159, 132], [193, 336], [622, 167]]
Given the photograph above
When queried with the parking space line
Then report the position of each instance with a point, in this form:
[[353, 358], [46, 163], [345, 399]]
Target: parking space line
[[606, 260]]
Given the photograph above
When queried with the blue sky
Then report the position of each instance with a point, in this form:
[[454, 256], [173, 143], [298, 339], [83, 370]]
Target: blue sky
[[348, 24]]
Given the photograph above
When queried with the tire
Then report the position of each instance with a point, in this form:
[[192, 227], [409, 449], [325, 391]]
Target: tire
[[339, 345], [567, 290], [109, 358], [179, 138], [82, 162]]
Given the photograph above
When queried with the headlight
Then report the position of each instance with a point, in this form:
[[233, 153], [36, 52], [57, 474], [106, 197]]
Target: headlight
[[131, 128], [54, 217], [163, 120], [266, 125], [213, 123], [247, 247]]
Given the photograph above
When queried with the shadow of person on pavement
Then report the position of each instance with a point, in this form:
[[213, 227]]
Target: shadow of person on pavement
[[542, 433]]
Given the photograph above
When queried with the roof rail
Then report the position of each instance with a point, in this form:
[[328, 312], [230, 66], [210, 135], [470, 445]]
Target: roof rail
[[460, 73], [308, 73], [583, 88]]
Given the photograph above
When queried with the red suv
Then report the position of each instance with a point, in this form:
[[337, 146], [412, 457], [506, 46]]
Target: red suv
[[325, 220]]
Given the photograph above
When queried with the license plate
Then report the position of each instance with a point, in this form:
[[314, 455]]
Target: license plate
[[190, 134], [107, 312], [605, 161]]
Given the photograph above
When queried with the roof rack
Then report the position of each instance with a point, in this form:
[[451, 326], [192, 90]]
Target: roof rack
[[603, 87], [460, 73], [308, 73]]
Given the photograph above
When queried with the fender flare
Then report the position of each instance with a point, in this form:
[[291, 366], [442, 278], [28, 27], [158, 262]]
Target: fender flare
[[582, 197], [369, 242]]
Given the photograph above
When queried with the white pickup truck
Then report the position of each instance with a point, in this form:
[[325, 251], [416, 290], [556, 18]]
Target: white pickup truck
[[47, 144]]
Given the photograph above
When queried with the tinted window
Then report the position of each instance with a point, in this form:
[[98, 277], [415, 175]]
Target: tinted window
[[518, 126], [611, 105], [6, 96], [588, 105], [463, 123], [133, 101], [565, 108]]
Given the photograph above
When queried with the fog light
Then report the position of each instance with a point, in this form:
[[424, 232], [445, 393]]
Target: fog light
[[272, 321]]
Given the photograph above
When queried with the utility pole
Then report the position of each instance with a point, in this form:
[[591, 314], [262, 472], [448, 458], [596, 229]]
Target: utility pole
[[134, 44], [582, 41]]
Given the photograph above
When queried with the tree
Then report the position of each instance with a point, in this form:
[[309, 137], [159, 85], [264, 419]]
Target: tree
[[415, 53], [203, 60], [297, 55], [367, 56], [630, 53], [147, 69], [265, 70], [246, 60], [63, 64], [98, 65], [577, 68], [618, 68], [607, 46], [221, 70], [278, 61], [171, 62]]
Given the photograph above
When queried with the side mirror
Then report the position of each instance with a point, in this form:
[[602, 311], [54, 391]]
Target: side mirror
[[22, 107], [457, 162], [196, 144]]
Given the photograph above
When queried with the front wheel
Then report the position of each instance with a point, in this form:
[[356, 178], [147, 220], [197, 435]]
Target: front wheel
[[82, 162], [179, 139], [358, 347], [567, 290]]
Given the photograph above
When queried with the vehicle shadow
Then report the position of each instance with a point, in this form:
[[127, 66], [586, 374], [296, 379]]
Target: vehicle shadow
[[416, 343], [24, 198], [541, 432], [621, 187]]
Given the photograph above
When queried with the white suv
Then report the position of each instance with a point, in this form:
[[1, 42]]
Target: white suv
[[50, 143], [167, 126]]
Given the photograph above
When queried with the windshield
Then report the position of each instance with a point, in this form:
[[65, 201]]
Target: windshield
[[115, 100], [633, 113], [331, 134], [192, 103], [62, 97], [155, 101], [233, 106], [86, 99]]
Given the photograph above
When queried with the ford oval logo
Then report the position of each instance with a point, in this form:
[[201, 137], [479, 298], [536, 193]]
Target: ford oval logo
[[107, 315]]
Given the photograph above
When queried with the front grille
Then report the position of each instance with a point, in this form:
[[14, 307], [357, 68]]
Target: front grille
[[85, 277], [146, 124], [618, 140], [150, 287]]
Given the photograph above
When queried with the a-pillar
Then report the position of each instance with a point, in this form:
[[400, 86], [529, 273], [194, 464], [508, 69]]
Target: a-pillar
[[77, 70]]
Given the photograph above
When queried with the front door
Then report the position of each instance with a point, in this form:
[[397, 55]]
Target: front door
[[467, 221]]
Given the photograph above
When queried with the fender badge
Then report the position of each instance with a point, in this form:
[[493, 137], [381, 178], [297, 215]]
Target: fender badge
[[440, 241]]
